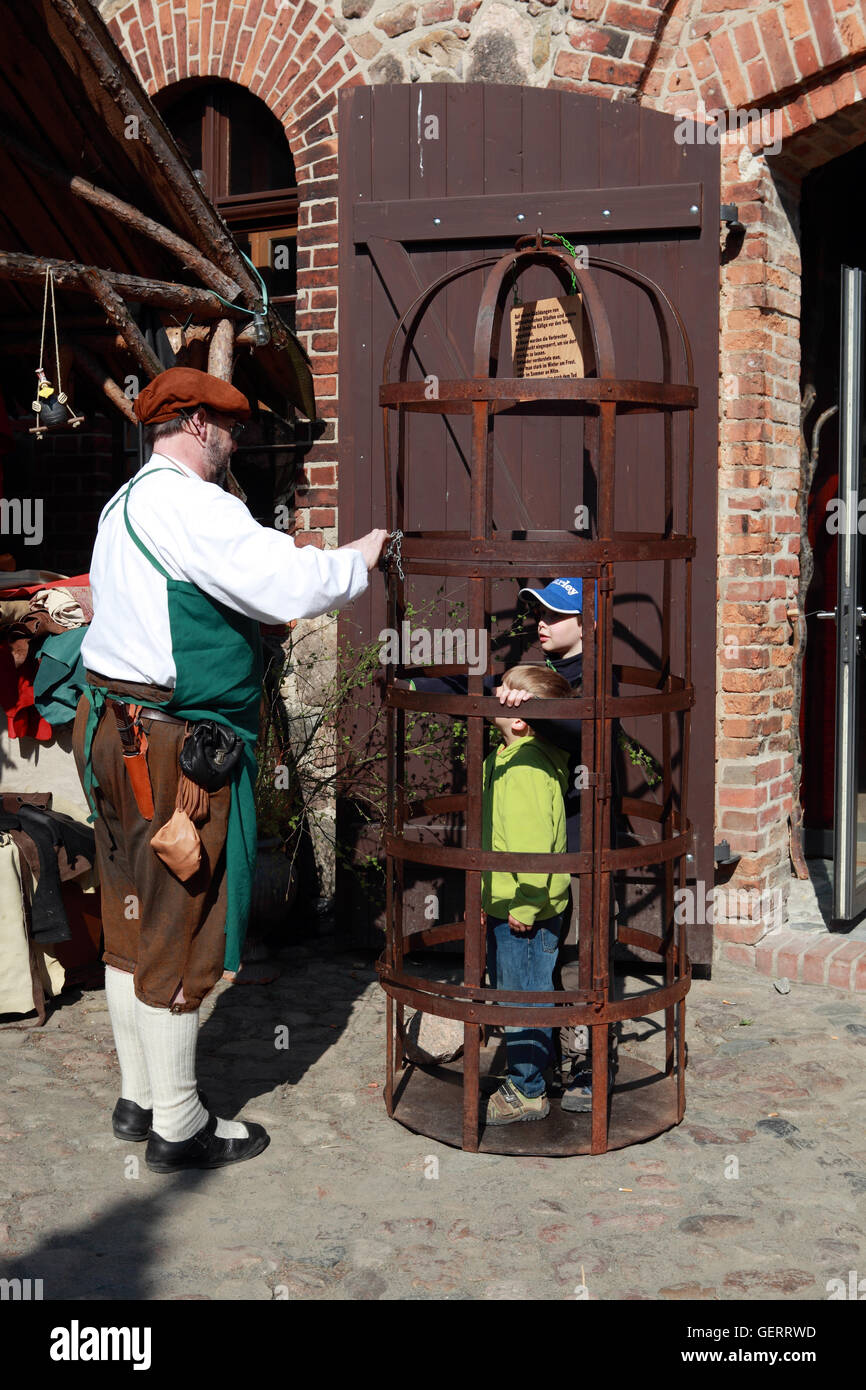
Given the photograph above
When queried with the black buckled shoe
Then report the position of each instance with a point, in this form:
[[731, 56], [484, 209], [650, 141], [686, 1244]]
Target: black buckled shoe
[[204, 1150], [132, 1122]]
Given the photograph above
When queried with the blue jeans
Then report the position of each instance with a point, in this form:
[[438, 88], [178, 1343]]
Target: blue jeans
[[525, 961]]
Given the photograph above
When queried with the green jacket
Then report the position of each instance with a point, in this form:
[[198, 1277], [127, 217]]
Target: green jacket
[[523, 811]]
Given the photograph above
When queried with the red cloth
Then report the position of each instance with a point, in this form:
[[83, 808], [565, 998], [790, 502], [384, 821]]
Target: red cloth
[[24, 590], [16, 686], [16, 696]]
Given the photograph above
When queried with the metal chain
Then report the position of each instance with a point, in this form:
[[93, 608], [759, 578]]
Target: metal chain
[[393, 551]]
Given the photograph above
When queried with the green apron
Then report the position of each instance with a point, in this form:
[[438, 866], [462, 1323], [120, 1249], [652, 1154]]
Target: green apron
[[218, 657]]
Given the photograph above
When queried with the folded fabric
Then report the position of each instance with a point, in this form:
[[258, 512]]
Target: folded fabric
[[12, 610], [60, 680], [63, 610]]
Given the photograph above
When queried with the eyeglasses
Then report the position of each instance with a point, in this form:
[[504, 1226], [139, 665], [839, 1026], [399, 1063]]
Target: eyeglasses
[[235, 430]]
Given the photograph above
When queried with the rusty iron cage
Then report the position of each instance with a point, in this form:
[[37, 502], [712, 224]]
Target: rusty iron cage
[[642, 1101]]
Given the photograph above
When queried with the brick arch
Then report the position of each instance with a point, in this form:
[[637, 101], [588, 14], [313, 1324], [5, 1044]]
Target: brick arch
[[292, 58], [777, 56]]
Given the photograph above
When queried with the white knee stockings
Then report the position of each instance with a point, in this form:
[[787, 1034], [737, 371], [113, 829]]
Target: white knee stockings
[[156, 1051]]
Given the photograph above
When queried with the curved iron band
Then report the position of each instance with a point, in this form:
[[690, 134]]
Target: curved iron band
[[484, 994], [508, 861], [595, 312], [413, 309], [657, 297], [578, 707], [456, 931], [459, 857], [633, 936], [454, 803], [417, 994], [655, 293], [490, 311], [659, 852], [609, 550], [502, 389]]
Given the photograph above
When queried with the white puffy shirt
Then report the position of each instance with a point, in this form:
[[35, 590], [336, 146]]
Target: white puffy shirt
[[200, 533]]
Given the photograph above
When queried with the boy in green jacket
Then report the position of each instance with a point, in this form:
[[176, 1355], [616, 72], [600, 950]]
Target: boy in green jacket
[[523, 811]]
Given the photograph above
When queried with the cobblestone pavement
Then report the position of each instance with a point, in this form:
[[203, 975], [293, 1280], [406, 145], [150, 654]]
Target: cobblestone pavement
[[344, 1204]]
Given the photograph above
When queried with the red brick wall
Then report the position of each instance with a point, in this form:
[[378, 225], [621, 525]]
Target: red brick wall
[[805, 59]]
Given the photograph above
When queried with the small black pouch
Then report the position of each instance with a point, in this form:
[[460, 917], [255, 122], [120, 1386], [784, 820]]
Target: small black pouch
[[210, 754]]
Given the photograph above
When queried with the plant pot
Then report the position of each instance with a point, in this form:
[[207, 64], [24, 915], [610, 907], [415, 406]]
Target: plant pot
[[275, 887]]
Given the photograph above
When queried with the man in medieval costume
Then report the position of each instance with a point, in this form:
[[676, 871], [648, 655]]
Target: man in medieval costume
[[182, 576]]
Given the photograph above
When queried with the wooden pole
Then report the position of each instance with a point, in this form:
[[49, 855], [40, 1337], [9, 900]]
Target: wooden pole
[[163, 294], [95, 370], [108, 202], [117, 313], [115, 95], [221, 354]]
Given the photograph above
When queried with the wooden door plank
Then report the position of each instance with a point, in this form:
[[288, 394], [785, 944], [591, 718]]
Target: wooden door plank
[[664, 207], [446, 361]]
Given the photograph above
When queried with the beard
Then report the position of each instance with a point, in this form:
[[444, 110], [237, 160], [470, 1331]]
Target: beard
[[216, 461]]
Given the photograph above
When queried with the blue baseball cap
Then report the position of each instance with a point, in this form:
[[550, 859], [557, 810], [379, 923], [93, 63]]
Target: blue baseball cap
[[562, 595]]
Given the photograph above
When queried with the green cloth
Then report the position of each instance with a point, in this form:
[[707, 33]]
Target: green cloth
[[523, 811], [218, 657], [60, 678]]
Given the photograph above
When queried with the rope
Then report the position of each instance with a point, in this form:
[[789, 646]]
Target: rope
[[44, 314], [49, 280]]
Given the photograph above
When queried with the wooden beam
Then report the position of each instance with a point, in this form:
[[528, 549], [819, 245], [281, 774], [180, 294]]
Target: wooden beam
[[583, 212], [93, 368], [117, 313], [221, 354], [115, 94], [163, 294], [108, 202]]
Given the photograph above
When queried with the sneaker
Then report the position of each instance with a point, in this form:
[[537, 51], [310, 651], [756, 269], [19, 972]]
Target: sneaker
[[577, 1091], [508, 1105]]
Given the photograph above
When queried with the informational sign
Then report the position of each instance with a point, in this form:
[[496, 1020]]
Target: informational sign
[[547, 337]]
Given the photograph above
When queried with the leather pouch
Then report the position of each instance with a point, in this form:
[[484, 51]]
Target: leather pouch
[[210, 754], [178, 845]]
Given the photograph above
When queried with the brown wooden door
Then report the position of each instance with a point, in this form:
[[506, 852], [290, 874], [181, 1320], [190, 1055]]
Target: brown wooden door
[[435, 175]]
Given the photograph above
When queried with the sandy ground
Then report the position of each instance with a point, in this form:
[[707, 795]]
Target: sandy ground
[[759, 1194]]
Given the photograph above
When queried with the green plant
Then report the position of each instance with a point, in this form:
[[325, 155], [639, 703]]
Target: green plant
[[336, 746], [640, 757]]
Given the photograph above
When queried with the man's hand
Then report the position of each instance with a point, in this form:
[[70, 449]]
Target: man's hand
[[511, 697], [370, 547], [518, 926]]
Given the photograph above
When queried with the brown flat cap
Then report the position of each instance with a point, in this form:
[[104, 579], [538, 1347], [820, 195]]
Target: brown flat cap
[[184, 388]]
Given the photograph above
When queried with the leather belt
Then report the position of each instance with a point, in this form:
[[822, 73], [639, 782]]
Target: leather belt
[[146, 713], [160, 716]]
